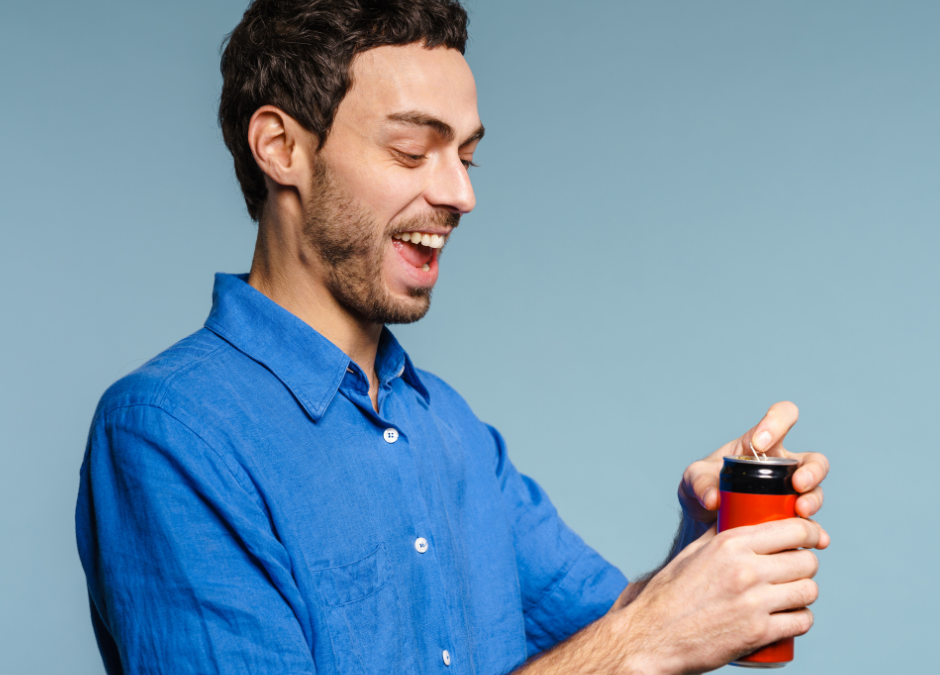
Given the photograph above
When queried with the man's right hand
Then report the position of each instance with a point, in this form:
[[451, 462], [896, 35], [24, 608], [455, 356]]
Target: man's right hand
[[723, 597]]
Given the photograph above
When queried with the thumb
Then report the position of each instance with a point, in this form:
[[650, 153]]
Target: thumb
[[769, 433]]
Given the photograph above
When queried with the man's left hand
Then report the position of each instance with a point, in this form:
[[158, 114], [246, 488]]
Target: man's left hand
[[699, 489]]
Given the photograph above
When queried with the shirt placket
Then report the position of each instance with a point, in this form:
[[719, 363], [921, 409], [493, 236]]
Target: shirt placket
[[398, 441]]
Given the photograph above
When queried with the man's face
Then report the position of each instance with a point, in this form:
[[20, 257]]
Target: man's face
[[391, 181]]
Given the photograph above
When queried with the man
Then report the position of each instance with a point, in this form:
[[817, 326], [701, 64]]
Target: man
[[284, 492]]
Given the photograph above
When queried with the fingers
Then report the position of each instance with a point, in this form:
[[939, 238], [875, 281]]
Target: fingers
[[823, 535], [813, 469], [793, 595], [790, 624], [771, 430], [808, 504], [780, 535], [698, 491], [788, 566], [705, 485]]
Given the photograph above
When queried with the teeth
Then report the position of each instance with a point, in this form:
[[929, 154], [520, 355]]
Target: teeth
[[426, 268], [429, 240]]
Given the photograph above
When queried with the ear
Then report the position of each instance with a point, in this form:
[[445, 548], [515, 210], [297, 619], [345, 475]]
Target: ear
[[281, 147]]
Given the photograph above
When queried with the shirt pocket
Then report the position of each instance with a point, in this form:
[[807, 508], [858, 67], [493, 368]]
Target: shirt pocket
[[362, 611]]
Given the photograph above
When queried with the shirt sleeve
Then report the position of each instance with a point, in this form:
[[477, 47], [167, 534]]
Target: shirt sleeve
[[184, 571], [565, 584]]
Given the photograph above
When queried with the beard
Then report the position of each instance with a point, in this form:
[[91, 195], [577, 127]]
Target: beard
[[352, 248]]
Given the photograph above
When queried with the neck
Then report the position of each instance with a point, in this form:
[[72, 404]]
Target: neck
[[286, 271]]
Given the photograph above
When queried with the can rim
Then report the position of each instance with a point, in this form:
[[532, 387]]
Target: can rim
[[769, 461]]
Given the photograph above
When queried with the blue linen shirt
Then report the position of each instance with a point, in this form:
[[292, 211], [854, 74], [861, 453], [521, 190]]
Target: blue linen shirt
[[243, 509]]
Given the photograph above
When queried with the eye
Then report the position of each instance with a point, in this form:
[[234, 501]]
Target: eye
[[467, 164], [408, 157]]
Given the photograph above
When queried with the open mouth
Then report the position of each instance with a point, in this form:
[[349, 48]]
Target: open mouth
[[419, 249]]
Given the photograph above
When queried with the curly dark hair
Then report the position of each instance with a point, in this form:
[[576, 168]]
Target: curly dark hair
[[296, 55]]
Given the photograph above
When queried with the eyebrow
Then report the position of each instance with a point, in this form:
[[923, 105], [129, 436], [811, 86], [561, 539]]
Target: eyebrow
[[440, 127]]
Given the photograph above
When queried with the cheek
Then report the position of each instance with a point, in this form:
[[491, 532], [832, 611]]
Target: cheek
[[388, 191], [373, 180]]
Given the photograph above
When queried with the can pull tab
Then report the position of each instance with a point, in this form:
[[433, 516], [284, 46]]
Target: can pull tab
[[759, 456]]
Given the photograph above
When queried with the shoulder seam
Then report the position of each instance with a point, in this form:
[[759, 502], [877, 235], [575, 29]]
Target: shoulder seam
[[227, 461], [158, 398], [168, 380]]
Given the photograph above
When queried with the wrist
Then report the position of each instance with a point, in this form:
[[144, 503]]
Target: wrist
[[638, 654]]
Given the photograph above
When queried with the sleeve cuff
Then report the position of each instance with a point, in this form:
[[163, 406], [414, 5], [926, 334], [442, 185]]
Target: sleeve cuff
[[585, 593]]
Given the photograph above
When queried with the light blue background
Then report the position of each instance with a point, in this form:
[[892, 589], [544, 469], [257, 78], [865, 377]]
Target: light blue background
[[687, 210]]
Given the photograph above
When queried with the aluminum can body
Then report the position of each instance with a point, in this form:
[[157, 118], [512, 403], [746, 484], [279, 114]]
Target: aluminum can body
[[755, 492]]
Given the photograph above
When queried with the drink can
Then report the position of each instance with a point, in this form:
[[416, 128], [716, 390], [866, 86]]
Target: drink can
[[755, 491]]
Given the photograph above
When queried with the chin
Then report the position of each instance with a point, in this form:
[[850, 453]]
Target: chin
[[410, 309]]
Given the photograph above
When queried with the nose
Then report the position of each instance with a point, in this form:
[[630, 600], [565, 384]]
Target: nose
[[450, 187]]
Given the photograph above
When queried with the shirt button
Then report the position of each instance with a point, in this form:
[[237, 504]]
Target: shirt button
[[390, 435], [421, 545], [446, 656]]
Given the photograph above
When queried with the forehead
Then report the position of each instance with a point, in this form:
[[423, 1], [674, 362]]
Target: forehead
[[387, 80]]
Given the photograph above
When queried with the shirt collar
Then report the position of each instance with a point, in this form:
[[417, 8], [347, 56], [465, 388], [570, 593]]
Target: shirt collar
[[307, 363], [393, 361]]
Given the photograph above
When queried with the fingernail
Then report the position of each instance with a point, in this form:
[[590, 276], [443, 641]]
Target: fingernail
[[762, 441]]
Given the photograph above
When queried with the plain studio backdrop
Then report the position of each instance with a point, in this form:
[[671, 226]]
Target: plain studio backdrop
[[686, 211]]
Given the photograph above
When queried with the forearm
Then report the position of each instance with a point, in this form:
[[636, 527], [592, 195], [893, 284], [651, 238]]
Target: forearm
[[601, 648], [608, 645]]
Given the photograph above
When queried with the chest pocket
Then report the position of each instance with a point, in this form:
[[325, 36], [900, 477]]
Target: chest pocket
[[364, 616]]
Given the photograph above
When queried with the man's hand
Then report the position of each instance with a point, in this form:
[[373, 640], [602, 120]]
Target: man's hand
[[722, 597], [698, 491], [726, 595], [719, 596]]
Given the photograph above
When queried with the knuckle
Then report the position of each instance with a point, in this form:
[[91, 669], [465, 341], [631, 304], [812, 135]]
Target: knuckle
[[757, 631], [812, 563], [742, 579], [812, 592], [803, 621], [697, 467], [805, 564], [809, 529], [799, 595], [694, 472], [728, 543]]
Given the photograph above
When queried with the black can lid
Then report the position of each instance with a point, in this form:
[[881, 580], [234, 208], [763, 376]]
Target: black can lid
[[768, 476], [770, 461]]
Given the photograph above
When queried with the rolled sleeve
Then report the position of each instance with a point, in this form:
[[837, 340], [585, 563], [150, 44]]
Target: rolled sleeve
[[565, 584]]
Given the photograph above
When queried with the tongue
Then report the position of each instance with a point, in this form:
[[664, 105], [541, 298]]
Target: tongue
[[415, 254]]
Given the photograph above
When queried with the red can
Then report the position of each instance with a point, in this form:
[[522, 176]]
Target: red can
[[757, 491]]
